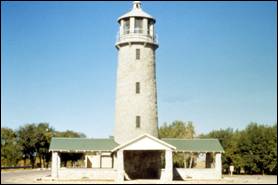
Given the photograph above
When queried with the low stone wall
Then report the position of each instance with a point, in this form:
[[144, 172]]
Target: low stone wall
[[110, 174], [87, 173], [187, 173]]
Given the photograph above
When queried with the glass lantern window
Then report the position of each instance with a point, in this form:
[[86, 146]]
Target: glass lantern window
[[126, 26], [138, 25]]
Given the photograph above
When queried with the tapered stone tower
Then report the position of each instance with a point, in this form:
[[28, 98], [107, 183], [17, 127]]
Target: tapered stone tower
[[136, 96]]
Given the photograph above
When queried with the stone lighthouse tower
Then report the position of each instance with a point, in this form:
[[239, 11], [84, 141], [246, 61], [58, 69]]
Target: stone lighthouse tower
[[136, 96]]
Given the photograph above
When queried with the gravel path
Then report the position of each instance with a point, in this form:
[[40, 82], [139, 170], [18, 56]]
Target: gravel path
[[38, 176]]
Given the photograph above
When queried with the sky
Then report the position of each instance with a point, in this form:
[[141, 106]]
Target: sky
[[216, 64]]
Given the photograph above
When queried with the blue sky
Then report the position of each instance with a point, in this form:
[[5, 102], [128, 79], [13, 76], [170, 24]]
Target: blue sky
[[216, 64]]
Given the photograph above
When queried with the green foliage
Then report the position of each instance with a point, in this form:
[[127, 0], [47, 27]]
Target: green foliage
[[27, 140], [43, 135], [177, 129], [258, 148], [10, 149], [31, 141], [69, 133], [253, 149]]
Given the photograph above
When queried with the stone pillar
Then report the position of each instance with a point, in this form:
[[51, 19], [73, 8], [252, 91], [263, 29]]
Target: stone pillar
[[145, 26], [132, 25], [100, 160], [168, 166], [115, 161], [120, 167], [85, 162], [218, 165], [55, 165], [59, 162]]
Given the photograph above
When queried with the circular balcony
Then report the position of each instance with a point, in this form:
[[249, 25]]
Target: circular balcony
[[136, 35]]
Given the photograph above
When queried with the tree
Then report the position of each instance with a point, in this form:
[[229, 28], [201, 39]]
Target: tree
[[177, 129], [10, 149], [27, 139], [35, 141], [253, 149], [32, 141], [43, 137], [258, 148], [272, 165], [69, 133]]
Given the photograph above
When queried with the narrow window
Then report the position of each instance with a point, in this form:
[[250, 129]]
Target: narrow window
[[137, 88], [137, 54], [138, 121]]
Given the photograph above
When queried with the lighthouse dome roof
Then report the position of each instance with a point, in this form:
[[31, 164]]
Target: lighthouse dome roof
[[136, 12]]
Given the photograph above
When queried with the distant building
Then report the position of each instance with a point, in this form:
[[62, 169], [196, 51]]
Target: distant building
[[136, 152]]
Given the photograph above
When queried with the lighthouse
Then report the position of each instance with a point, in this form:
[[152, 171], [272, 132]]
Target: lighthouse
[[136, 152], [136, 92]]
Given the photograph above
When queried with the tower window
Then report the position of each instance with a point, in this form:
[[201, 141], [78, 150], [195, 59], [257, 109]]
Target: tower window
[[138, 121], [137, 88], [137, 54]]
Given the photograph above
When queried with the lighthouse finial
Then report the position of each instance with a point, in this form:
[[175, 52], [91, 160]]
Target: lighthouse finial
[[137, 4]]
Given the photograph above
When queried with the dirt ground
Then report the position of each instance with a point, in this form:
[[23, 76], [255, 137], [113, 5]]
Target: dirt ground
[[38, 176]]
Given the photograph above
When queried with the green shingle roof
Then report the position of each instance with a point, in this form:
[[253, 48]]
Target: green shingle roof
[[195, 145], [85, 144], [81, 144]]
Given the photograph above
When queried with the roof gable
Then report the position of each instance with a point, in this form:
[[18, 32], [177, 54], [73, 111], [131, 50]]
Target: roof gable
[[145, 142]]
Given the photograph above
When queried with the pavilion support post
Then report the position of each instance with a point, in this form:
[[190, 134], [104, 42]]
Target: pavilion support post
[[113, 165], [86, 161], [184, 159], [59, 162], [168, 166], [100, 160], [120, 167], [218, 165], [115, 161], [55, 165], [191, 160]]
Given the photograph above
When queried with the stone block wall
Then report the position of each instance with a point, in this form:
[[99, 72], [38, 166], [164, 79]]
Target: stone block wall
[[129, 104]]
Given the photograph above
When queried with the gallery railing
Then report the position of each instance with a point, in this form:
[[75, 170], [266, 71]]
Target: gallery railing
[[136, 33]]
